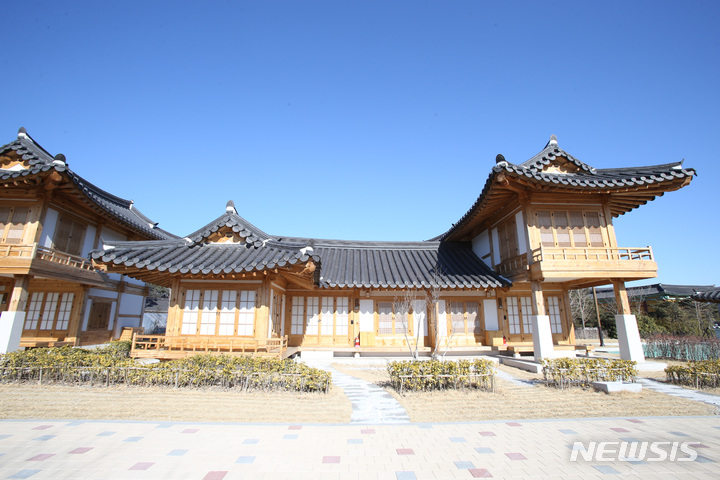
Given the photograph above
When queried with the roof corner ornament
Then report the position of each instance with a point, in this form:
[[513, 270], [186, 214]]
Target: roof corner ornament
[[22, 133], [230, 207], [553, 141], [60, 160], [500, 159]]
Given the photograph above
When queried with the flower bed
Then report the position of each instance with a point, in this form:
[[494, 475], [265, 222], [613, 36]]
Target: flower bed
[[112, 366], [581, 372], [440, 375], [703, 374]]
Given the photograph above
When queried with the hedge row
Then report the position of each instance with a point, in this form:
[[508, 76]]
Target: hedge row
[[703, 374], [565, 372], [681, 347], [108, 366], [438, 374]]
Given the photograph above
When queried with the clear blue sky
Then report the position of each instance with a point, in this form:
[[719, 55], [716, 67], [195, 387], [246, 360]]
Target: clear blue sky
[[376, 120]]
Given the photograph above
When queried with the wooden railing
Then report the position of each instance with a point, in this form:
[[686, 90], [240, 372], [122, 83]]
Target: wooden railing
[[160, 346], [592, 253], [47, 254], [512, 265]]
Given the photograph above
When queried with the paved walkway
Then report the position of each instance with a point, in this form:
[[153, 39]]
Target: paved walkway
[[203, 451], [677, 391], [370, 403]]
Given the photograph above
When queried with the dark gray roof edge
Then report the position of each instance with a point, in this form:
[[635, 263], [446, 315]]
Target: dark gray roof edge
[[236, 219], [332, 243]]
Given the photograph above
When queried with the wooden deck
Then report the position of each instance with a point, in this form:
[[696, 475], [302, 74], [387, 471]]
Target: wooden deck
[[168, 348]]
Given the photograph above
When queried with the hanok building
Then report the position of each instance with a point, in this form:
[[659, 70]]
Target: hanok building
[[50, 219], [501, 274]]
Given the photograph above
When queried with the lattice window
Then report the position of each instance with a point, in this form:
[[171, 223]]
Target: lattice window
[[190, 312], [208, 317], [594, 224], [342, 316], [544, 222], [577, 226], [34, 309], [63, 316], [298, 316], [513, 315], [313, 315], [526, 311], [457, 317], [473, 316], [554, 313], [228, 302], [246, 313], [12, 223], [385, 318], [49, 311], [562, 230], [326, 320]]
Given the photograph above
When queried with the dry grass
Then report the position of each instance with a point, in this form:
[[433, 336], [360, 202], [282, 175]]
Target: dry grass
[[163, 404], [514, 402]]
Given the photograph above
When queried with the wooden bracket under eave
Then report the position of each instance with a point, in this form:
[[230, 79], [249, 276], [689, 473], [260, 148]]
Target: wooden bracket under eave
[[52, 181]]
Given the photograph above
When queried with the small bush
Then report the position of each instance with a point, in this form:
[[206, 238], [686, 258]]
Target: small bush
[[111, 365], [565, 372], [438, 375], [702, 374]]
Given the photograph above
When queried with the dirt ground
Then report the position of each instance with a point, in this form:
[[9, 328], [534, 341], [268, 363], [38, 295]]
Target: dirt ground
[[165, 404], [514, 402]]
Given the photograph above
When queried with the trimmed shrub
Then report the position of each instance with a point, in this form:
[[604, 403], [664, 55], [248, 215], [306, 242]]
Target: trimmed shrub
[[111, 365], [581, 372], [703, 374], [420, 375]]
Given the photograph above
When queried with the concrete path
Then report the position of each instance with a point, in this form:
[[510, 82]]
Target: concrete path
[[87, 450], [370, 403], [677, 391]]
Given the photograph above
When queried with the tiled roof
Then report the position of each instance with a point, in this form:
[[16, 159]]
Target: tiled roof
[[236, 223], [657, 290], [341, 264], [39, 161], [608, 180], [708, 296], [184, 256]]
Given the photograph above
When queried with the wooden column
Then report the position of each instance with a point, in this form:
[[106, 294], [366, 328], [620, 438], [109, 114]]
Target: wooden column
[[621, 297], [172, 326], [76, 318], [262, 315], [19, 294], [568, 318], [538, 299]]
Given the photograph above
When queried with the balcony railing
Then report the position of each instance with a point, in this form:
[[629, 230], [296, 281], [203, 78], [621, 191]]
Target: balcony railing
[[512, 266], [592, 253], [47, 254]]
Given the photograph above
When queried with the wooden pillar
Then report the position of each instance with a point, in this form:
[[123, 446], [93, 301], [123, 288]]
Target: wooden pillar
[[262, 315], [568, 318], [13, 320], [76, 318], [538, 299], [621, 297], [172, 325]]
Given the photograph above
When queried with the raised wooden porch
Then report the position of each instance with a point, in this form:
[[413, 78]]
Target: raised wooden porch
[[168, 348]]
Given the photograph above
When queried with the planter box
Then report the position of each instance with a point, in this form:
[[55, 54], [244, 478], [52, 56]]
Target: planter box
[[612, 387]]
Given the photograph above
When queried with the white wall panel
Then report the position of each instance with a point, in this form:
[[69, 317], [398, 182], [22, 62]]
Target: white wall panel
[[520, 224], [48, 228], [367, 316], [491, 314], [481, 247]]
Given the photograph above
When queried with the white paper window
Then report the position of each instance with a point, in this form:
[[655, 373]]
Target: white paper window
[[326, 320], [246, 313], [313, 315], [526, 309], [33, 314], [190, 312], [227, 313], [554, 313], [473, 319], [341, 316], [385, 322], [457, 317], [208, 318], [513, 315], [63, 318], [298, 316], [48, 315]]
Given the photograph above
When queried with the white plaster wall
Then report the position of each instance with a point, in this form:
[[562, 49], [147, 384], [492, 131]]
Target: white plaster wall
[[96, 292], [48, 228], [89, 243], [481, 247], [520, 225], [108, 234], [442, 321], [496, 246], [131, 304], [491, 314], [420, 317]]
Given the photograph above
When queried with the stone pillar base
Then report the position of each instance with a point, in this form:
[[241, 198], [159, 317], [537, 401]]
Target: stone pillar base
[[11, 327], [542, 337], [629, 338]]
